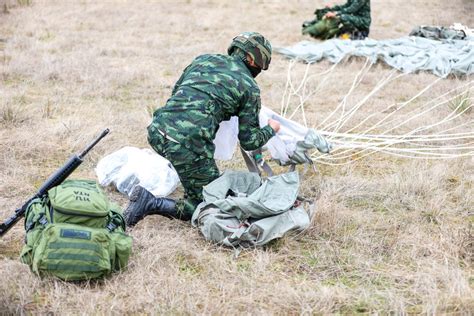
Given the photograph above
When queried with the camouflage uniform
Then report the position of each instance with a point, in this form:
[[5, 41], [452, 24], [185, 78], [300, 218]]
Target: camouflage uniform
[[351, 17], [211, 89]]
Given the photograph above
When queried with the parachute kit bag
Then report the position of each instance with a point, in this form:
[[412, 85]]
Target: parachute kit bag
[[75, 233]]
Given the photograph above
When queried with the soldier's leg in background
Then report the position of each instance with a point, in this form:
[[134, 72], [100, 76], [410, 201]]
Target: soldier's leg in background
[[324, 29], [357, 26], [308, 24]]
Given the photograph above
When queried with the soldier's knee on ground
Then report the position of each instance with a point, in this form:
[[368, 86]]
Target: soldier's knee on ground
[[185, 209]]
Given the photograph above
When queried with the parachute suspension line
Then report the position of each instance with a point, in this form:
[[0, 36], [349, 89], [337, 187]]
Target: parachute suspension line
[[402, 138], [417, 143], [357, 79], [300, 92], [367, 97], [307, 95]]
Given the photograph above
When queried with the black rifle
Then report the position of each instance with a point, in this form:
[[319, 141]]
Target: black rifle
[[55, 179]]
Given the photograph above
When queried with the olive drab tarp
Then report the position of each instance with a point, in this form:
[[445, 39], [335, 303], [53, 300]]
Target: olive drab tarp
[[438, 33], [242, 210], [457, 31], [407, 54]]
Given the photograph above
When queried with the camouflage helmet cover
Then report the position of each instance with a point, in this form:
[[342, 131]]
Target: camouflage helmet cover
[[254, 44]]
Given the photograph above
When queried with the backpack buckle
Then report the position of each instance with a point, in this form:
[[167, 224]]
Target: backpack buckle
[[111, 226], [43, 221]]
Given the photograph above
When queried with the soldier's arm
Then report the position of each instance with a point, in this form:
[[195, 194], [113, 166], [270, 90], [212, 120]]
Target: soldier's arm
[[354, 7], [321, 12], [251, 136], [338, 7]]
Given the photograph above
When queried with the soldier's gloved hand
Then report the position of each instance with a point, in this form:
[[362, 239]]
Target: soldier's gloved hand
[[330, 15], [275, 125]]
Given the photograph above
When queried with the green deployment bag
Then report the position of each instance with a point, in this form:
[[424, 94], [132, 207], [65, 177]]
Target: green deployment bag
[[74, 233]]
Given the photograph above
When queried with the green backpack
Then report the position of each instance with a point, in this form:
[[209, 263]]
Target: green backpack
[[74, 233]]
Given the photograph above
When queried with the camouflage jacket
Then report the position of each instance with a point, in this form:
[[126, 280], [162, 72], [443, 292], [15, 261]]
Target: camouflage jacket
[[354, 14], [211, 90]]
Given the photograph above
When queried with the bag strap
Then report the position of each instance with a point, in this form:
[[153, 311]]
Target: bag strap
[[255, 162], [43, 219], [116, 220]]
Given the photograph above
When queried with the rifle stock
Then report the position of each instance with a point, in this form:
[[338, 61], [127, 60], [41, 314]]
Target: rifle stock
[[55, 179]]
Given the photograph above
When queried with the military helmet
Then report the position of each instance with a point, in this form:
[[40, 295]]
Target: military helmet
[[255, 45]]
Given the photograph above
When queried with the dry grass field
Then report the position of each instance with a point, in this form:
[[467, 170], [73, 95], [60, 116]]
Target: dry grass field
[[391, 235]]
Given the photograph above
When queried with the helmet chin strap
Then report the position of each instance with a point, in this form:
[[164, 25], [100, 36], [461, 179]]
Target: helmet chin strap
[[243, 57], [254, 70]]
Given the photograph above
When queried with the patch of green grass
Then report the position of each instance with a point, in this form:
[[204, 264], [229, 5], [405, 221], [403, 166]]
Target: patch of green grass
[[46, 37], [275, 245], [48, 110], [24, 2], [364, 307], [414, 309], [361, 307], [402, 98], [461, 103], [9, 79], [431, 216], [311, 259], [188, 264], [244, 265], [168, 73], [370, 203], [347, 280], [12, 114]]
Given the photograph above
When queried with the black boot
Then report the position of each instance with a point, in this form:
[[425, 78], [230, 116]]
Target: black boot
[[143, 203]]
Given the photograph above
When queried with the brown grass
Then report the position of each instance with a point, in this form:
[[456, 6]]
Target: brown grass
[[390, 235]]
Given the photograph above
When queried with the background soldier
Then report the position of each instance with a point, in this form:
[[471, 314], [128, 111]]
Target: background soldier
[[352, 18], [211, 90]]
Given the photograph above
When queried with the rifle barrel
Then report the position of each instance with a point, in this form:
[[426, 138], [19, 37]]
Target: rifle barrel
[[55, 179]]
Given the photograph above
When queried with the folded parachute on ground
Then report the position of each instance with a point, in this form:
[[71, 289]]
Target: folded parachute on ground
[[407, 54], [242, 210]]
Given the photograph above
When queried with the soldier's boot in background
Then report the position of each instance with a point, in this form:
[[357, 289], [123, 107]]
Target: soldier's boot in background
[[359, 35], [309, 23], [143, 203]]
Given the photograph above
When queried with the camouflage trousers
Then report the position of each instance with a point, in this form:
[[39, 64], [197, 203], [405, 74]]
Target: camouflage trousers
[[193, 170], [322, 29], [329, 28]]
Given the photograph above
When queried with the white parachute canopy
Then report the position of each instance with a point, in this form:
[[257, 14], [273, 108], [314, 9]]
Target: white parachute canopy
[[287, 146], [131, 166]]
